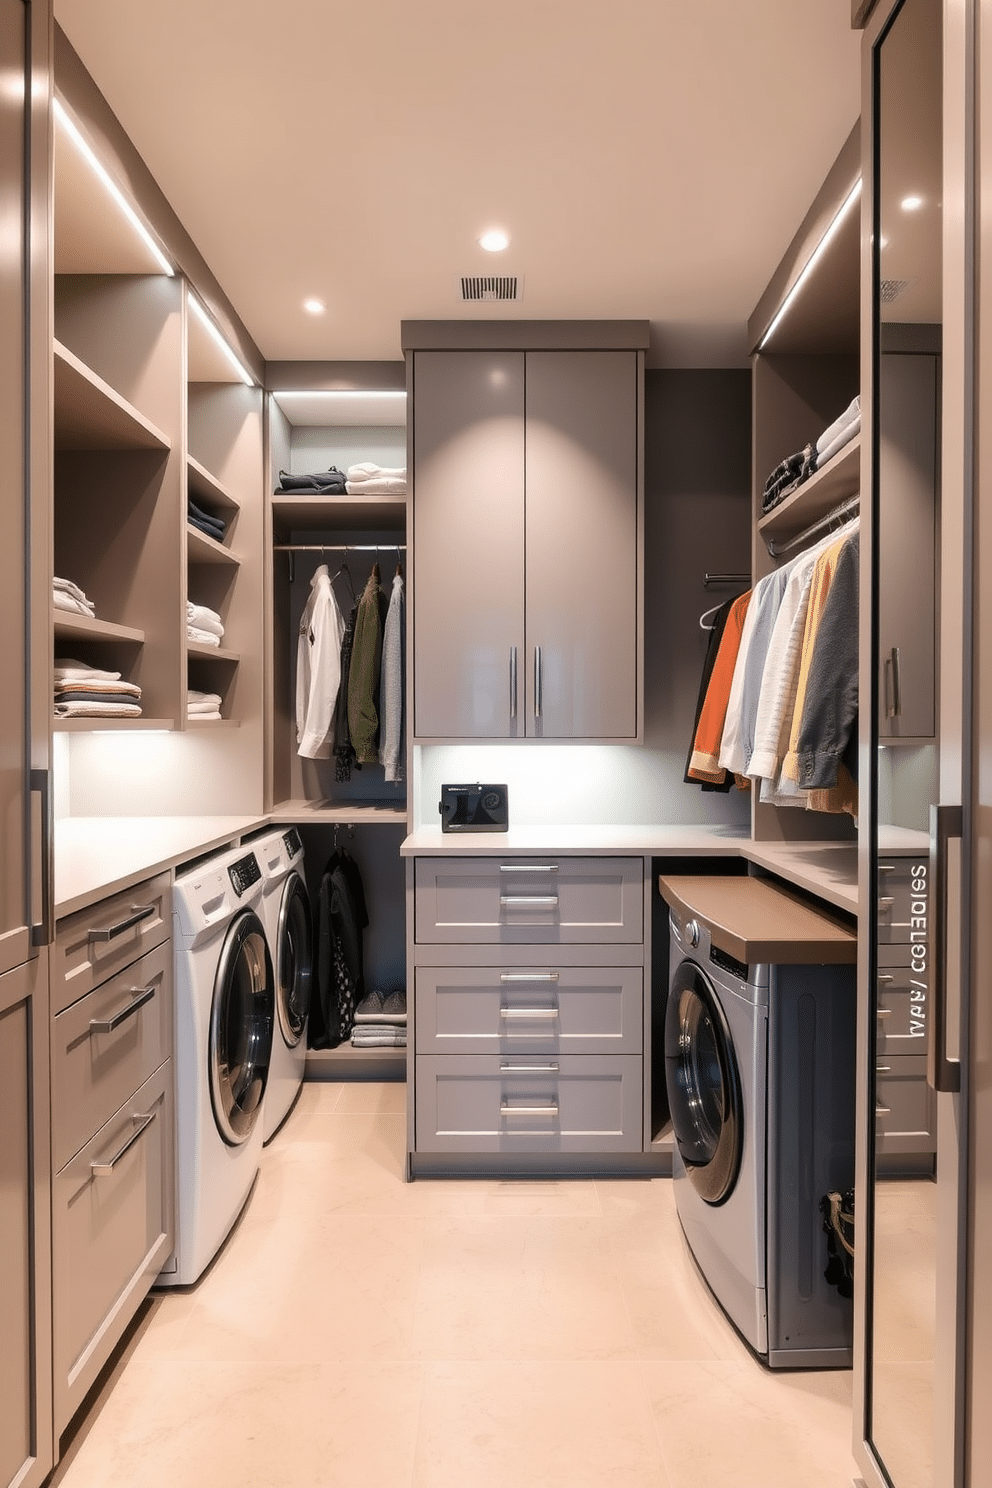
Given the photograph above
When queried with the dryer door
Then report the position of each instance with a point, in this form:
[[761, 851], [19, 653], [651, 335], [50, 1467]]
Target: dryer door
[[294, 961], [704, 1088], [241, 1018]]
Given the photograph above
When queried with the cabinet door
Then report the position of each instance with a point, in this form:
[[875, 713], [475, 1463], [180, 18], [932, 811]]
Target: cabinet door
[[468, 525], [582, 545], [907, 478], [26, 1444]]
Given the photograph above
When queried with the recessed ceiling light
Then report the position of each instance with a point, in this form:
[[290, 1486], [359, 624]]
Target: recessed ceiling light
[[495, 240], [911, 203], [314, 306]]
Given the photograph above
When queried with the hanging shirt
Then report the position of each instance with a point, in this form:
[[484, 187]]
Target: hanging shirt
[[391, 685], [365, 671], [318, 667], [703, 763]]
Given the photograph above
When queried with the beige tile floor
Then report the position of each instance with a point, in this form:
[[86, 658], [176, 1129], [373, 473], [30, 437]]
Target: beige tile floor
[[360, 1332]]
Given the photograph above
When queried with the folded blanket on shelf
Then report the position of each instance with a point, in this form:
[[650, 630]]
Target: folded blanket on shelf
[[383, 485], [851, 414], [844, 437], [67, 669], [365, 470], [62, 600], [202, 710], [104, 692], [325, 482], [93, 708], [378, 1036], [202, 637], [200, 518], [203, 618]]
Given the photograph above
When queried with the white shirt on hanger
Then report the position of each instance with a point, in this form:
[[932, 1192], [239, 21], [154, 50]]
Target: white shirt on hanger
[[318, 667]]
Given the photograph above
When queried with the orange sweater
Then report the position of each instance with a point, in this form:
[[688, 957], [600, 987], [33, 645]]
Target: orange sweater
[[704, 763]]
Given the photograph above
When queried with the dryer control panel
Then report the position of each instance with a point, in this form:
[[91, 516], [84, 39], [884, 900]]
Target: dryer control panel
[[244, 873], [292, 843]]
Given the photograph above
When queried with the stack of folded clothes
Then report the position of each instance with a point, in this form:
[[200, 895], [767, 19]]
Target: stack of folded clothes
[[203, 625], [791, 473], [83, 691], [202, 704], [204, 522], [324, 483], [68, 596], [366, 479], [380, 1021]]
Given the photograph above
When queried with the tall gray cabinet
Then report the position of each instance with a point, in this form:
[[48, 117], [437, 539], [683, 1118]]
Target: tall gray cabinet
[[25, 1183], [527, 515]]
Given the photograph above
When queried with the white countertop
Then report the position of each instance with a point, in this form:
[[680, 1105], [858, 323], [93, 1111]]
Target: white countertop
[[693, 841], [97, 855]]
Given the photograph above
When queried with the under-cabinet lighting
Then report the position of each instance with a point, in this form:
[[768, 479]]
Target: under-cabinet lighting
[[814, 259], [111, 187], [219, 340], [339, 393]]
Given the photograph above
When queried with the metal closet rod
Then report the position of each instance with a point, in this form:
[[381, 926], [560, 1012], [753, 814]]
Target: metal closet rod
[[709, 579], [339, 547], [840, 514]]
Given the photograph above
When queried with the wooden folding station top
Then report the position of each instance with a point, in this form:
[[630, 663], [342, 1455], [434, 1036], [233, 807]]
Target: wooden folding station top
[[760, 923]]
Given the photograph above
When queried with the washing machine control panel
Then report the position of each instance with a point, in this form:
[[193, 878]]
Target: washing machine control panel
[[244, 873], [292, 843]]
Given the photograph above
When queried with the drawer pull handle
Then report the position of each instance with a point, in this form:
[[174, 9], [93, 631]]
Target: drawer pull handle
[[509, 1012], [550, 1110], [886, 900], [102, 1169], [528, 976], [139, 912], [545, 899], [108, 1025], [528, 1069], [883, 1012], [885, 976], [886, 867], [883, 1111], [883, 1069], [528, 867]]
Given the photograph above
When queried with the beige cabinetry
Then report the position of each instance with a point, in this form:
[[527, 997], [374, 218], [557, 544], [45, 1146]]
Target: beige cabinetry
[[528, 1008], [113, 1189], [527, 523]]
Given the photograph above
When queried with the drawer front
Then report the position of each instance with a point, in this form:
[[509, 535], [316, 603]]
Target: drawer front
[[904, 900], [903, 1010], [105, 1046], [112, 1227], [905, 1108], [519, 1104], [104, 938], [520, 901], [567, 1009]]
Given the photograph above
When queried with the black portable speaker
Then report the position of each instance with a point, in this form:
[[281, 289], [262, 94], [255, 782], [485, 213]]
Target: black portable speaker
[[473, 808]]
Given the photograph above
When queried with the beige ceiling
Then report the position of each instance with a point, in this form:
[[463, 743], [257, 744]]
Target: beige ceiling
[[650, 158]]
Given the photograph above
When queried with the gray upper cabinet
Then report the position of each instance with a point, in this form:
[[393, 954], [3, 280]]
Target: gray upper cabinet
[[527, 590], [909, 385]]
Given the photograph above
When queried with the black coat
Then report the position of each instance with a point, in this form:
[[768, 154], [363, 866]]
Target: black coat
[[339, 980]]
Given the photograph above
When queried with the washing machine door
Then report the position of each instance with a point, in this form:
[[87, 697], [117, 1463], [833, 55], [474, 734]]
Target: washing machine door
[[241, 1020], [704, 1087], [294, 961]]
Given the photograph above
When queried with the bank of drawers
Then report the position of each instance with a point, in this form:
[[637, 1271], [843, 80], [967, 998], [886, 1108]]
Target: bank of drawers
[[112, 1126], [905, 1104], [544, 1057]]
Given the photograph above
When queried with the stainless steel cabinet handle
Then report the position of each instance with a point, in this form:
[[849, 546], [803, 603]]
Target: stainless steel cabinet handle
[[893, 685], [942, 1073], [508, 1012], [138, 913], [538, 682], [528, 976], [885, 976], [102, 1169], [886, 867], [108, 1025], [513, 681], [883, 1012], [40, 783], [550, 1110], [528, 867], [528, 1069], [883, 1110], [507, 899], [885, 900]]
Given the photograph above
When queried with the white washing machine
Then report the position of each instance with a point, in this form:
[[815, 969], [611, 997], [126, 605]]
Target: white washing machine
[[225, 1006], [760, 1069], [286, 914]]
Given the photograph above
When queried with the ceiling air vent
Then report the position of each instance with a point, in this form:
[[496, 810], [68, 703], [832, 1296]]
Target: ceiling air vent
[[478, 287], [893, 289]]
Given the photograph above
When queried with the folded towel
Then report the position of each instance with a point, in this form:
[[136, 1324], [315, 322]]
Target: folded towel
[[213, 698], [839, 441], [851, 412], [65, 601], [66, 586], [92, 709], [383, 485], [202, 710], [202, 637], [378, 1036], [365, 470], [106, 692], [207, 519], [203, 618], [66, 669]]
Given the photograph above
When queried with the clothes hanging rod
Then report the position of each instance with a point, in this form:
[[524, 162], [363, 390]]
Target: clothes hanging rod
[[709, 579], [839, 515], [339, 547]]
